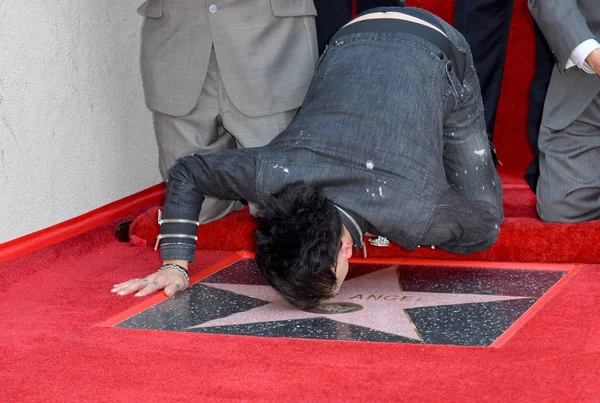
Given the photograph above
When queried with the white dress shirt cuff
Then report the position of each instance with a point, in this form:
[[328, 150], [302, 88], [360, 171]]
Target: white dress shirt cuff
[[580, 53]]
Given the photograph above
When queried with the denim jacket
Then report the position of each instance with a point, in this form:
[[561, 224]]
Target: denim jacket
[[388, 133]]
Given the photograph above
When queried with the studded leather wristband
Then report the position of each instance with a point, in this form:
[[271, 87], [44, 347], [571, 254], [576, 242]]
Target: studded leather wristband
[[176, 267]]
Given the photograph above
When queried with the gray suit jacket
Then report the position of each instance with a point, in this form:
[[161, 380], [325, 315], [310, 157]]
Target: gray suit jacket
[[566, 24], [266, 51]]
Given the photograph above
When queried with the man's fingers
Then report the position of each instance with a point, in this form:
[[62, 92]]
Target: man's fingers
[[172, 282], [143, 286], [153, 285], [130, 286], [170, 290], [174, 288]]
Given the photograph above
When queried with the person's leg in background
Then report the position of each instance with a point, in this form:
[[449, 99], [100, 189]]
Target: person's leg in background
[[250, 131], [215, 126], [568, 189], [190, 53], [485, 25], [544, 63], [333, 14], [200, 132], [362, 5]]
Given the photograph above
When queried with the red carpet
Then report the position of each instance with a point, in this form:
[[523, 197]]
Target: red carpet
[[52, 350], [523, 237]]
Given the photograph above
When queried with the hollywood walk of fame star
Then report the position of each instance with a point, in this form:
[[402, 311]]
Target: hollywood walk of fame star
[[380, 294]]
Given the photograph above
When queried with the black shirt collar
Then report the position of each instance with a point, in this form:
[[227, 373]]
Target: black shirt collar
[[355, 225]]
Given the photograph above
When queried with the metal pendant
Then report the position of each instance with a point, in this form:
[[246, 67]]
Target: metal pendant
[[380, 241]]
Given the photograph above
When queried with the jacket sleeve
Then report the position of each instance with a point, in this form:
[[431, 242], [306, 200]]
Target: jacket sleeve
[[563, 25], [229, 175]]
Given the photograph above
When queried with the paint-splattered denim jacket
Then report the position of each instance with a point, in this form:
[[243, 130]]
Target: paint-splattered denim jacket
[[388, 132]]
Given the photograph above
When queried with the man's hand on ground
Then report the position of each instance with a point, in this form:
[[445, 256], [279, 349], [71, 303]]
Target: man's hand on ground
[[593, 60], [171, 280]]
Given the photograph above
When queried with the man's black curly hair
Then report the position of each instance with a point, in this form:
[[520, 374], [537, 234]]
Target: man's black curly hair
[[298, 241]]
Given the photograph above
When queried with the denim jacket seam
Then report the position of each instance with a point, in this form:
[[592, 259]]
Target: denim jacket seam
[[391, 40], [465, 210], [325, 73], [426, 174], [218, 182], [457, 208], [424, 227], [451, 248], [454, 90]]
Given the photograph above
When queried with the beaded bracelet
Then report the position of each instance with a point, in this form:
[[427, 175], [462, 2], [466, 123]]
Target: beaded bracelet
[[176, 267]]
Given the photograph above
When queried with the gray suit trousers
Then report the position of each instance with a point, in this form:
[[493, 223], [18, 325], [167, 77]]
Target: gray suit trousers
[[569, 185], [569, 143], [213, 125]]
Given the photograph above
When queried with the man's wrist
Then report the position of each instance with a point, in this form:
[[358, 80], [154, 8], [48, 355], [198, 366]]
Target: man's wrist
[[183, 263], [175, 267], [581, 53]]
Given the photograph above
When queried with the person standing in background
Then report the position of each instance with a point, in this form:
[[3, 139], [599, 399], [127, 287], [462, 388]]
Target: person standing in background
[[569, 186], [544, 62], [223, 74], [485, 25]]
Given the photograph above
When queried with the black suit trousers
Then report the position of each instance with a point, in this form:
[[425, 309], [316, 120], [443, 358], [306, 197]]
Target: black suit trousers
[[485, 25]]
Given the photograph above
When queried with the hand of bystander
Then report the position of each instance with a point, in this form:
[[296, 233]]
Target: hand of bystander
[[593, 60]]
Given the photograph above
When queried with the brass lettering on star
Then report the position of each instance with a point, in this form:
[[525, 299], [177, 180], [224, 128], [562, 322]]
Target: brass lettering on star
[[332, 308], [412, 298]]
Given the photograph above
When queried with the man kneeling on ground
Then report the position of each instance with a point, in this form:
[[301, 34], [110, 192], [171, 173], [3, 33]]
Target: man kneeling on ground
[[390, 140]]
